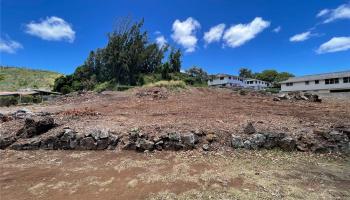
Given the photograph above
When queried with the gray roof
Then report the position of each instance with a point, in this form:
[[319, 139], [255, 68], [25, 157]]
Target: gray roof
[[318, 77]]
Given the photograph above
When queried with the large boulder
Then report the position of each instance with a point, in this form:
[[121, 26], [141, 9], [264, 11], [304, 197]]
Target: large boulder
[[237, 142], [143, 144], [287, 144], [88, 143], [6, 140], [257, 141], [33, 127], [189, 140]]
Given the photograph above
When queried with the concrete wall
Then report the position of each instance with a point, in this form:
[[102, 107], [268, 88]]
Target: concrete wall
[[301, 86]]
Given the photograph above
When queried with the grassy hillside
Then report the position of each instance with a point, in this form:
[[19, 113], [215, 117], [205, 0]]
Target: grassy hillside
[[14, 78]]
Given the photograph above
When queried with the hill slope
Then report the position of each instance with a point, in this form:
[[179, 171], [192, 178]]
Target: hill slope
[[14, 78]]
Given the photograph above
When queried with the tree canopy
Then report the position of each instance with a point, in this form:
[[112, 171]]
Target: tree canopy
[[127, 56]]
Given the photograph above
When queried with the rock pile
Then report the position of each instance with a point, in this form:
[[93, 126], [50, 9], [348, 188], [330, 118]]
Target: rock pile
[[298, 96], [264, 141], [171, 141]]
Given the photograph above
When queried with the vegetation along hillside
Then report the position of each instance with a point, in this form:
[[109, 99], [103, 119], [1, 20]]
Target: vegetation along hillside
[[129, 59], [14, 78]]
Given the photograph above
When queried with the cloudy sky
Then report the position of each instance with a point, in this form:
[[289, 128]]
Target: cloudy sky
[[302, 37]]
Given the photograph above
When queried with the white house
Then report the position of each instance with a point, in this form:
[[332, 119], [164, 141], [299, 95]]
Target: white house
[[226, 80], [256, 84], [320, 83]]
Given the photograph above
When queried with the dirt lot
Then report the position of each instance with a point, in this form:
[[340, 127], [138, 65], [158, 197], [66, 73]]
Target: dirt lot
[[218, 110], [172, 175]]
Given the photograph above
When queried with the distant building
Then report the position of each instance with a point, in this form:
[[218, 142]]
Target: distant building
[[321, 83], [226, 80], [256, 84]]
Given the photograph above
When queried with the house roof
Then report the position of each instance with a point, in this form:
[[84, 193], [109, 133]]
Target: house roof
[[17, 93], [318, 77]]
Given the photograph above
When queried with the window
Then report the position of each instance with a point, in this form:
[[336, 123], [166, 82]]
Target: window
[[332, 81], [306, 82], [346, 80], [317, 81], [289, 84], [229, 77], [222, 78]]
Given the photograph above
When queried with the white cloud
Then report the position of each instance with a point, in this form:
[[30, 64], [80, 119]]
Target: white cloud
[[301, 37], [239, 34], [214, 34], [9, 46], [161, 41], [322, 13], [330, 15], [335, 44], [52, 28], [277, 29], [184, 33]]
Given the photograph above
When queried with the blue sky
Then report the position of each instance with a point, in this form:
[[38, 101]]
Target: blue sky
[[301, 37]]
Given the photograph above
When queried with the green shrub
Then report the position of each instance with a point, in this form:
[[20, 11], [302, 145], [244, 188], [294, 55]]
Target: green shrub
[[8, 101], [66, 89], [273, 90], [30, 99]]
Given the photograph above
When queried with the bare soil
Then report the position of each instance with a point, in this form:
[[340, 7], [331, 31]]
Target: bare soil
[[221, 111], [172, 175]]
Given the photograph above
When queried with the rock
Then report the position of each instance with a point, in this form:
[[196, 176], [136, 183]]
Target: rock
[[113, 140], [257, 141], [174, 137], [205, 147], [23, 113], [143, 144], [336, 136], [211, 137], [26, 144], [272, 139], [247, 144], [6, 141], [249, 129], [159, 145], [276, 99], [67, 138], [102, 144], [287, 144], [36, 127], [304, 98], [88, 143], [189, 140], [99, 134], [237, 142]]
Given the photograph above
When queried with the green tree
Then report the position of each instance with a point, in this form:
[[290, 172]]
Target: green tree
[[197, 75], [127, 56], [245, 73], [267, 75], [175, 60]]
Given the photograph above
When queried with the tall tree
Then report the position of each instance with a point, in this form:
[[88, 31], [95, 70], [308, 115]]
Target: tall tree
[[175, 60], [245, 73]]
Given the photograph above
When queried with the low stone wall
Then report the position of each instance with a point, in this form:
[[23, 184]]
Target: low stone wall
[[33, 135]]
